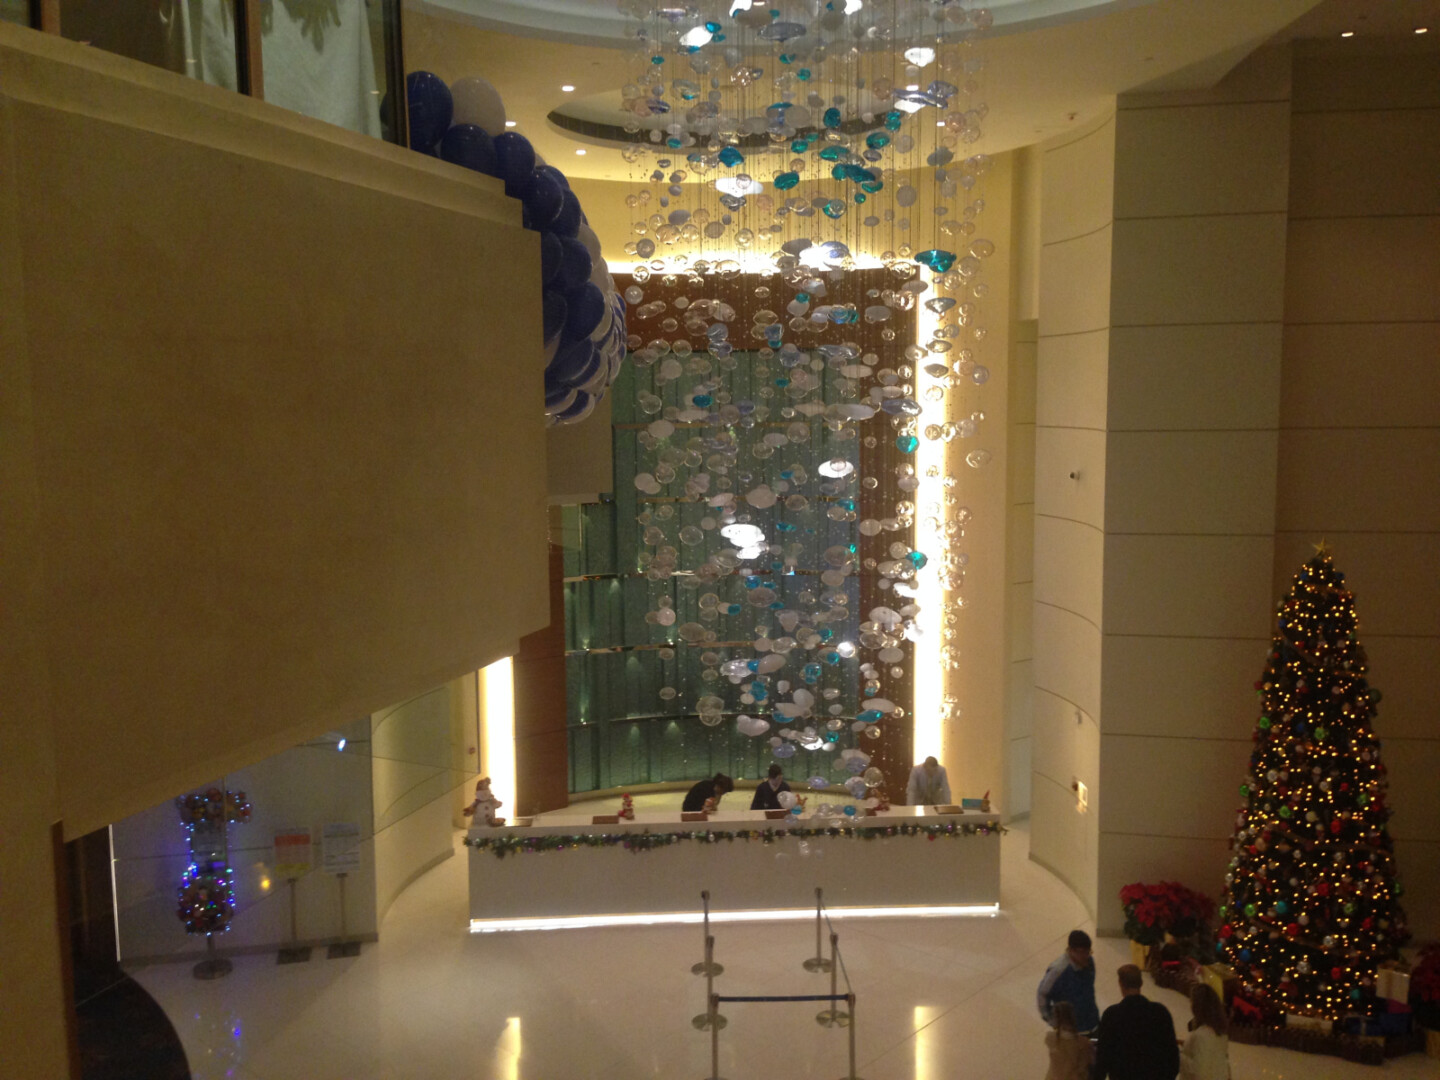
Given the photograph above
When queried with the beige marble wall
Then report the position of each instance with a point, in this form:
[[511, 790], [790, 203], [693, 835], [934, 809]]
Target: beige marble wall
[[1359, 454], [1076, 233]]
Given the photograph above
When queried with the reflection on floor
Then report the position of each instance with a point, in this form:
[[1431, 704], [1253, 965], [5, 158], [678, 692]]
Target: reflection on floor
[[938, 999]]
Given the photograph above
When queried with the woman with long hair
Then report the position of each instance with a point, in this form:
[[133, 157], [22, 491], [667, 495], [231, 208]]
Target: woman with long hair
[[1206, 1053]]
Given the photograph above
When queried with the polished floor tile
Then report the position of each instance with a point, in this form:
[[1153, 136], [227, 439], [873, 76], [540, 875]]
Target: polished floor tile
[[937, 999]]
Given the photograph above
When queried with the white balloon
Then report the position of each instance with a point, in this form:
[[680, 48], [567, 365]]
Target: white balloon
[[477, 102], [600, 278], [551, 348]]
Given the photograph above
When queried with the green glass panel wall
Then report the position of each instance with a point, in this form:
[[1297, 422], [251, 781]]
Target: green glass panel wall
[[633, 682]]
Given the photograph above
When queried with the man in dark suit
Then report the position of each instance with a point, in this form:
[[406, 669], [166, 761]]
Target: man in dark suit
[[1137, 1036], [767, 792]]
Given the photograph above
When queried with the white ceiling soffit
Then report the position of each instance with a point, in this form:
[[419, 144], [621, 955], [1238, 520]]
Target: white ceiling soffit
[[600, 22]]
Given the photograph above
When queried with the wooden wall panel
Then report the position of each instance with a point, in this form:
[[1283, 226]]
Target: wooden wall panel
[[541, 761]]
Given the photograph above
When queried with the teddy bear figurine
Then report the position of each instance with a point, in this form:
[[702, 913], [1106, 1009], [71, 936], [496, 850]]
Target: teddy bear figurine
[[485, 804]]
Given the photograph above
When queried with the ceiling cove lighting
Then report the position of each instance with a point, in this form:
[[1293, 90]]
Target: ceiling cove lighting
[[691, 918], [567, 89]]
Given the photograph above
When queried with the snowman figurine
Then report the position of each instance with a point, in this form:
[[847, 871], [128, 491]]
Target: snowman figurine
[[485, 804]]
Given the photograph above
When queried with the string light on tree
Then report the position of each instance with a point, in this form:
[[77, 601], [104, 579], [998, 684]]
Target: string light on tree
[[1311, 903]]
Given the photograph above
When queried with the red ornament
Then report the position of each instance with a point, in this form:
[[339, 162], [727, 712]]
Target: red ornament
[[1293, 930], [1335, 827], [1323, 888], [1335, 973]]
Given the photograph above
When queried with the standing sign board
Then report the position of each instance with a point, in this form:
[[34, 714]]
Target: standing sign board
[[292, 853], [340, 848]]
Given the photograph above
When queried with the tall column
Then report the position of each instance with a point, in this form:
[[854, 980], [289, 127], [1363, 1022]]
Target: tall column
[[1191, 430], [1077, 194]]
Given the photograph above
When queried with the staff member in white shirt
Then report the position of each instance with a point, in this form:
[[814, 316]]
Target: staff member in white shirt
[[928, 786]]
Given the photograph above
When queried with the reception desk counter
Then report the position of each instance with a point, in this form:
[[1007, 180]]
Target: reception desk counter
[[570, 868]]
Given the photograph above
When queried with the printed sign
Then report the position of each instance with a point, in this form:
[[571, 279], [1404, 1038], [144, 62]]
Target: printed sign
[[292, 853], [340, 847]]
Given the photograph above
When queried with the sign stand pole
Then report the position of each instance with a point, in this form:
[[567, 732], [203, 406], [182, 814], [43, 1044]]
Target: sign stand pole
[[294, 953], [344, 947]]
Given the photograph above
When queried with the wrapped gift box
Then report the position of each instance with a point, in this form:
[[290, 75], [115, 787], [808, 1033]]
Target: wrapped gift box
[[1222, 979], [1392, 982]]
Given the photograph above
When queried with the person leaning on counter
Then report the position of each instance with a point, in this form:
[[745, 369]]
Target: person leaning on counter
[[929, 785], [705, 790], [767, 792]]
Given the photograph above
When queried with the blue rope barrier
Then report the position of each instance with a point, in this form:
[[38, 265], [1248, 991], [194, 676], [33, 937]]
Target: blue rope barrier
[[790, 997]]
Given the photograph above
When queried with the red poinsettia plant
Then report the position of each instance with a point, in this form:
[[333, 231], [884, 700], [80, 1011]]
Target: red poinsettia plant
[[1425, 988], [1152, 911]]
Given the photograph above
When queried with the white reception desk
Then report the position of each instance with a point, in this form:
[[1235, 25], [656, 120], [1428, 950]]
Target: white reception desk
[[569, 868]]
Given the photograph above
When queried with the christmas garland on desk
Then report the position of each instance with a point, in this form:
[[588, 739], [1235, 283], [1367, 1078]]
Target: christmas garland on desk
[[503, 845]]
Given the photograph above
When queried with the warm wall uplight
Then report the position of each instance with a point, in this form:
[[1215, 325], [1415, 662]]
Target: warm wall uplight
[[929, 673], [509, 123], [497, 696], [927, 1045], [580, 153], [1422, 29], [1347, 33], [690, 918], [507, 1051]]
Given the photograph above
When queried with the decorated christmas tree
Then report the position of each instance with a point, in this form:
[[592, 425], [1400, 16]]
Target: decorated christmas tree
[[1310, 906]]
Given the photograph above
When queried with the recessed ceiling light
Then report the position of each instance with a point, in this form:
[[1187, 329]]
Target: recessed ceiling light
[[939, 123], [913, 86], [1422, 29], [580, 152], [509, 123], [1347, 33], [567, 88]]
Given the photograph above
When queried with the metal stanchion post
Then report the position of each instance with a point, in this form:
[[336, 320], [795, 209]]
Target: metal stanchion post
[[706, 967], [715, 1040], [833, 1016], [850, 1002], [711, 1017], [818, 961]]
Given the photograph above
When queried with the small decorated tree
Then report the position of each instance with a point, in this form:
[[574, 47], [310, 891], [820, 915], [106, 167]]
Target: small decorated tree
[[1310, 906]]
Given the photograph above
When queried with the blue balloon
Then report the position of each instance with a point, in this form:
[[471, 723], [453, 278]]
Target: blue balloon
[[470, 146], [556, 311], [431, 108], [578, 410], [571, 360], [556, 173], [587, 374], [575, 265], [587, 308], [557, 397], [516, 158], [550, 254], [543, 198], [567, 221]]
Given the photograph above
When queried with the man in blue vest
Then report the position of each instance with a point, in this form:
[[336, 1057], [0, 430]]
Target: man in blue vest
[[1071, 978]]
